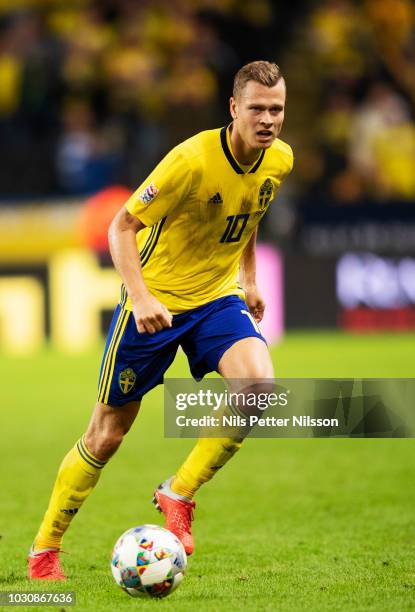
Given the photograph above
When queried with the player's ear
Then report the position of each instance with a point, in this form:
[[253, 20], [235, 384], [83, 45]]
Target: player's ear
[[233, 107]]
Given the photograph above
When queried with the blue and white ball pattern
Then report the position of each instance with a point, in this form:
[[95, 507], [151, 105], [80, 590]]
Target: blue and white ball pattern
[[148, 561]]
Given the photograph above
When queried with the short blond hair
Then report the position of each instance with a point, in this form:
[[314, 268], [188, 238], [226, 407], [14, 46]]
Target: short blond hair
[[266, 73]]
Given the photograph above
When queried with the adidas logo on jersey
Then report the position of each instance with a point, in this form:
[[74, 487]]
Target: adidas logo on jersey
[[216, 199]]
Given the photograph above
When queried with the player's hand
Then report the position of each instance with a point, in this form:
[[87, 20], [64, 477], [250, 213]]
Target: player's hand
[[150, 315], [255, 302]]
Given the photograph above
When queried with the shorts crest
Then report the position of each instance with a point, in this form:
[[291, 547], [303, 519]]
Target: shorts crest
[[126, 380]]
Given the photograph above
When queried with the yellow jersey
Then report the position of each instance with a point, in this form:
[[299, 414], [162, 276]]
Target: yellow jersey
[[201, 207]]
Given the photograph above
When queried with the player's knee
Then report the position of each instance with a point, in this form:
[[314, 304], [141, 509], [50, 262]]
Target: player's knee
[[254, 398], [260, 371]]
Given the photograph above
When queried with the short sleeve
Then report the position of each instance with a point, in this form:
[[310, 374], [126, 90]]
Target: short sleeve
[[163, 190]]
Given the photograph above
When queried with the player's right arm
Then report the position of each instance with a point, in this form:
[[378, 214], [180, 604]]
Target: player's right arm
[[150, 315], [162, 192]]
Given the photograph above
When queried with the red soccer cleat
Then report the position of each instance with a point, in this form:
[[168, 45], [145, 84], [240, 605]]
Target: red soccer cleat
[[45, 565], [178, 511]]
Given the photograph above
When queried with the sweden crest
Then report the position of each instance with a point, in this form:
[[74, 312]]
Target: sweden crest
[[265, 194], [126, 380]]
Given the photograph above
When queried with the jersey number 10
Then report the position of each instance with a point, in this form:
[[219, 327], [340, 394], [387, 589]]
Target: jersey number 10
[[235, 227]]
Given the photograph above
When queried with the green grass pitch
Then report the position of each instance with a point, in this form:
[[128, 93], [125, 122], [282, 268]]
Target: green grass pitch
[[287, 525]]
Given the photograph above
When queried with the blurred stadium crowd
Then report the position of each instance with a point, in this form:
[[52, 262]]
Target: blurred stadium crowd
[[94, 93], [351, 72]]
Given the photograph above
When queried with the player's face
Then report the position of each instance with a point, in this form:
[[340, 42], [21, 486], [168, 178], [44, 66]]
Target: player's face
[[258, 113]]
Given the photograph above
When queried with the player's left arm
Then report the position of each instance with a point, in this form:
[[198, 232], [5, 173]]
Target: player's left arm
[[253, 298]]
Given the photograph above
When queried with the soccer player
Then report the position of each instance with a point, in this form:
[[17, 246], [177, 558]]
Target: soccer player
[[184, 245]]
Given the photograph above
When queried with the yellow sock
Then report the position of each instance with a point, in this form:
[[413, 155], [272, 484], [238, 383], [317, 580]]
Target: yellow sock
[[77, 476], [206, 458]]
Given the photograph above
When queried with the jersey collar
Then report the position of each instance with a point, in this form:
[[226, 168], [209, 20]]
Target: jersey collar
[[224, 138]]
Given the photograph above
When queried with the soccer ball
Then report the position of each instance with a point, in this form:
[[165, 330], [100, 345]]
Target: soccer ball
[[148, 561]]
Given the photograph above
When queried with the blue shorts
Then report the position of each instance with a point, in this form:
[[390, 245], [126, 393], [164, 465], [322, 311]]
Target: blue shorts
[[134, 363]]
